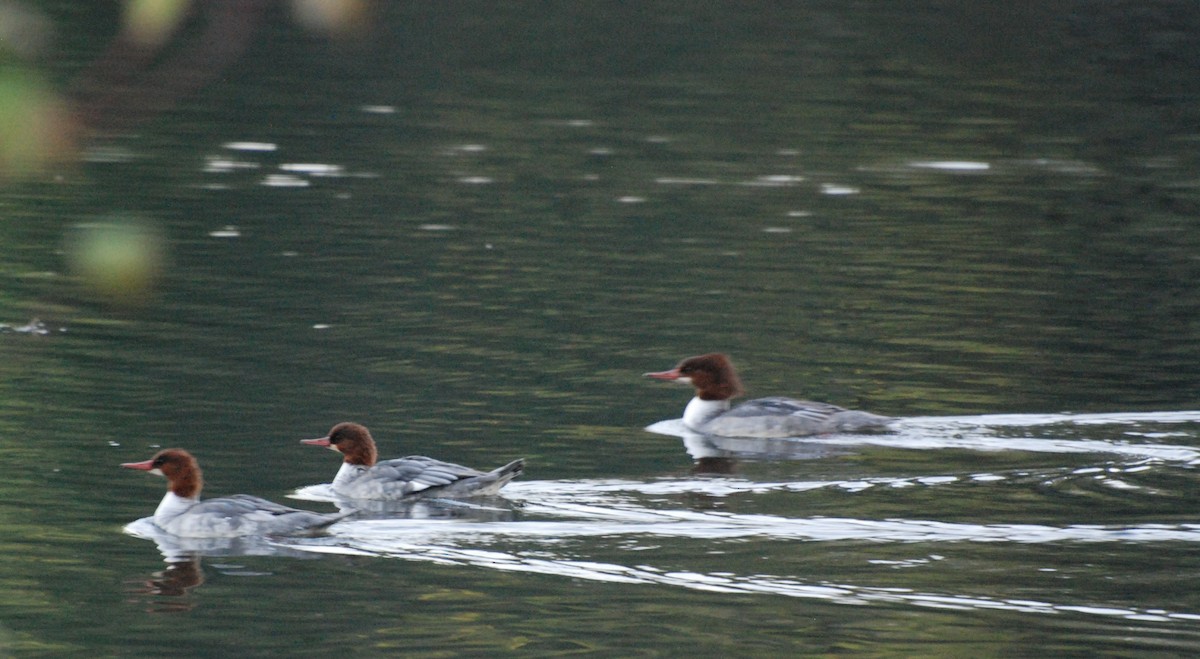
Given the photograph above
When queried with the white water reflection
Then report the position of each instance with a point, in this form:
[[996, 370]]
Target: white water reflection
[[610, 530], [613, 530], [475, 509], [176, 549], [573, 510], [263, 147], [991, 432], [557, 510], [725, 582], [556, 513], [951, 165], [170, 589]]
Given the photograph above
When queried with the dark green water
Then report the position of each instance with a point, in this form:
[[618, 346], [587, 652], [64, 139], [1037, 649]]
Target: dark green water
[[474, 226]]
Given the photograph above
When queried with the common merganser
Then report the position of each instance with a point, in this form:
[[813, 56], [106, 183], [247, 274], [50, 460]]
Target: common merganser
[[361, 477], [183, 514], [716, 382]]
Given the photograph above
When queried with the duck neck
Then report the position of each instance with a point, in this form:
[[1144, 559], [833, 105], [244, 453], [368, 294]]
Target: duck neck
[[347, 473], [699, 411], [172, 506]]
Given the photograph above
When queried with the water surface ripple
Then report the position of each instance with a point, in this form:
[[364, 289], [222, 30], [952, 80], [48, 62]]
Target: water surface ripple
[[611, 530]]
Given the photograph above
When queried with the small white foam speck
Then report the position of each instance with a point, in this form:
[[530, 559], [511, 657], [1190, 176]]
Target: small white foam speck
[[314, 169], [952, 165], [219, 165], [250, 146], [838, 190], [228, 231], [775, 180], [672, 180], [285, 181]]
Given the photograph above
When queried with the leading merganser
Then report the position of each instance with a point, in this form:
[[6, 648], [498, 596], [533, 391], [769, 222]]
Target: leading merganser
[[716, 383], [183, 514], [361, 477]]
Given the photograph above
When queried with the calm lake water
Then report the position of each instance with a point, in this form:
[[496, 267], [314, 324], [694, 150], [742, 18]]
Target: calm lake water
[[473, 227]]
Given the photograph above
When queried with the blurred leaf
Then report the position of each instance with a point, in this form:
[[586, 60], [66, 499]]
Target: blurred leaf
[[152, 22], [35, 127], [120, 260]]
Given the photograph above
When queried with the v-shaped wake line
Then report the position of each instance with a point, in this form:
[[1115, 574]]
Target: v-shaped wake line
[[726, 582]]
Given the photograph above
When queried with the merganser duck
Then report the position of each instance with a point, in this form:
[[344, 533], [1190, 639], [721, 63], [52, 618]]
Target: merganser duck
[[716, 383], [183, 514], [361, 477]]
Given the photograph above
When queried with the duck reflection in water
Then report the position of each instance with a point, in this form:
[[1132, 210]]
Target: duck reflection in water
[[716, 455], [172, 589], [488, 508], [168, 590]]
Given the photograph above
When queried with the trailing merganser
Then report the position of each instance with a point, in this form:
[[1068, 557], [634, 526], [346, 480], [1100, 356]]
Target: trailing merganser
[[361, 477], [716, 383], [183, 514]]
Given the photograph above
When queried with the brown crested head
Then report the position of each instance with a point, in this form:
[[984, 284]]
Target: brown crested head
[[179, 468], [355, 443], [712, 375]]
